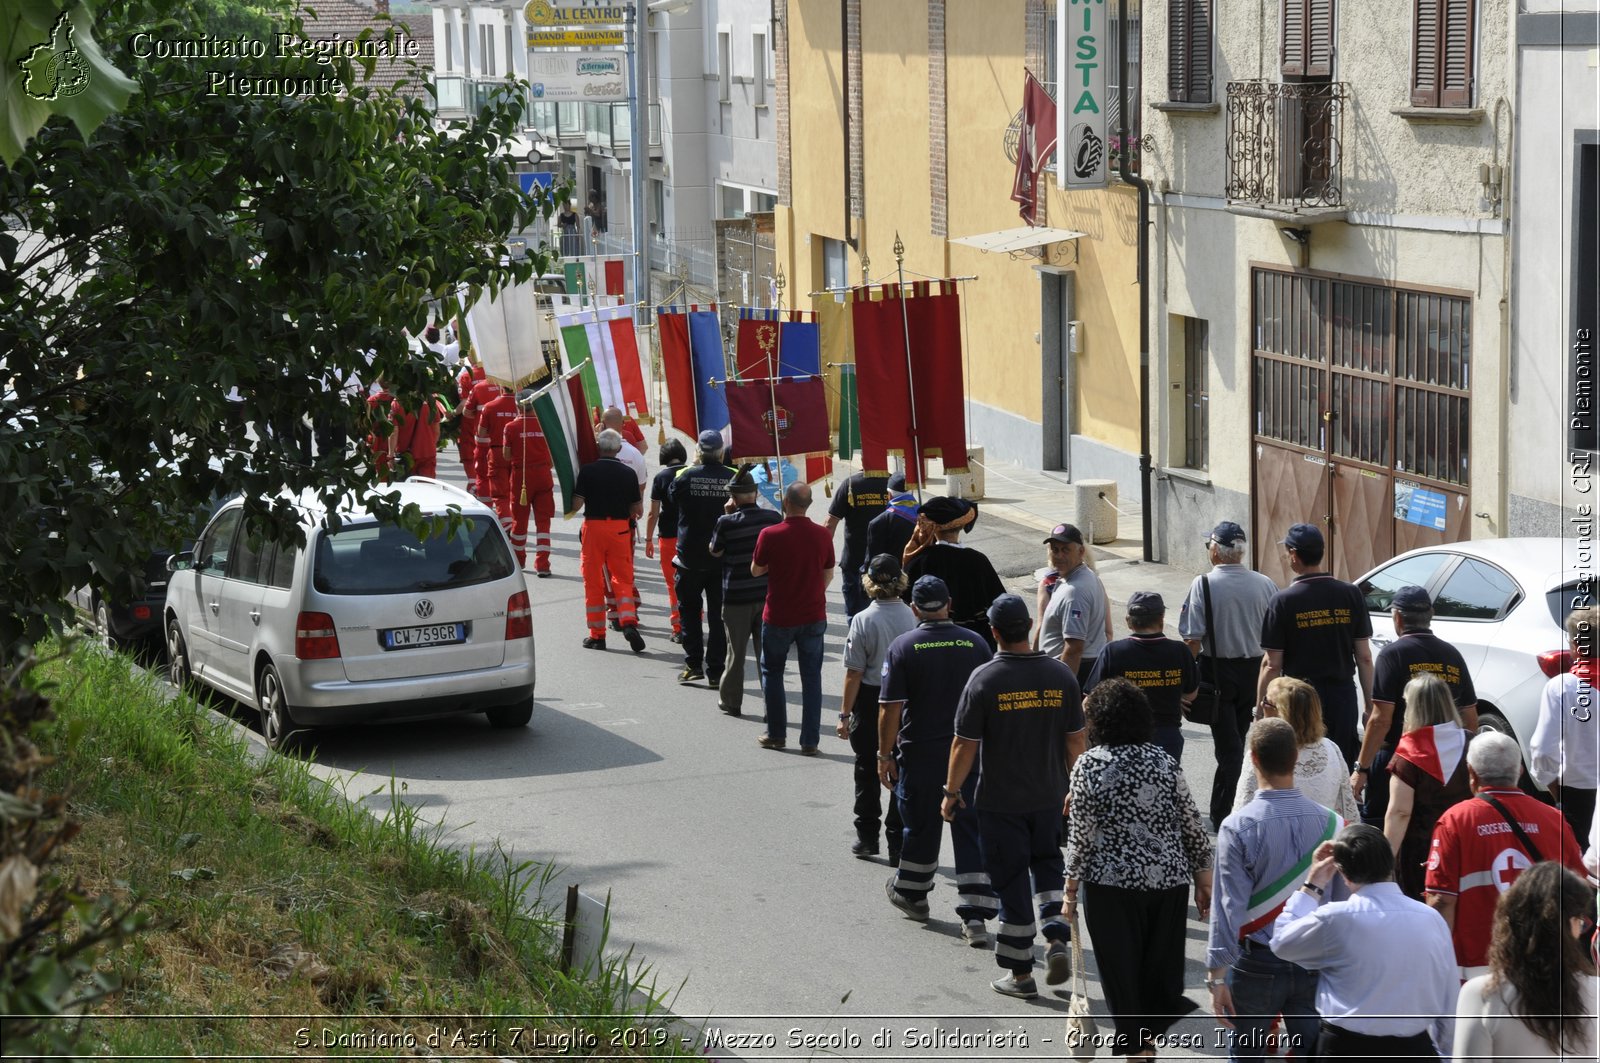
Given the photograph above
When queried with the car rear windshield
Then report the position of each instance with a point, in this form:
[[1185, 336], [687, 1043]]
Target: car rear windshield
[[374, 558], [1564, 600]]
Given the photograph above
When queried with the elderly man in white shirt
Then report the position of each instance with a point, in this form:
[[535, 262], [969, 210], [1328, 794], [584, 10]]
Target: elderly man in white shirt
[[1388, 968]]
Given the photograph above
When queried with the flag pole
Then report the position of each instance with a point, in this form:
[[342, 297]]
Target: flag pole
[[772, 382], [911, 383]]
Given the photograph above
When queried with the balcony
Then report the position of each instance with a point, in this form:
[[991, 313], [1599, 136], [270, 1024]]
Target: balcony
[[1285, 150], [451, 92], [606, 128]]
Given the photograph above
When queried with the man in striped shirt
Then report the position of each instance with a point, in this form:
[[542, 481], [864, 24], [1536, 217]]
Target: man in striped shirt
[[1264, 852], [733, 541]]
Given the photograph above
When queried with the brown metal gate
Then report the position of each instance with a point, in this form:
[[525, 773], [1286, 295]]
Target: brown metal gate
[[1359, 391]]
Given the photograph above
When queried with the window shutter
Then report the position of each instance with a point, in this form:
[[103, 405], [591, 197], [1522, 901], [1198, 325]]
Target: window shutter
[[1319, 38], [1455, 54], [1425, 55], [1178, 31], [1200, 51], [1294, 38]]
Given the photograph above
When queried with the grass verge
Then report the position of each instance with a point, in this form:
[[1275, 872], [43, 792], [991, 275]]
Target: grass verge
[[288, 920]]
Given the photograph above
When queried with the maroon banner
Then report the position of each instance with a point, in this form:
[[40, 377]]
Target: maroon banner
[[615, 274], [678, 367], [1035, 141], [885, 389], [756, 352], [788, 416]]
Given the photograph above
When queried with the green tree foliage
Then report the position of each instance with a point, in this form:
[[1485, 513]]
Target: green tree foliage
[[204, 243]]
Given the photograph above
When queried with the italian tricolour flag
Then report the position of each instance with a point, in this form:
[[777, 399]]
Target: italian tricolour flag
[[601, 343], [563, 414]]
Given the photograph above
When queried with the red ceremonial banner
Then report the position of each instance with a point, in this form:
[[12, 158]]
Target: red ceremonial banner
[[616, 283], [677, 366], [788, 416], [630, 374], [756, 354], [884, 389], [1035, 142]]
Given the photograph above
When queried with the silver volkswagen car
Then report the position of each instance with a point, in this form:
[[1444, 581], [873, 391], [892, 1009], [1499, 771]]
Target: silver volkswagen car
[[366, 623]]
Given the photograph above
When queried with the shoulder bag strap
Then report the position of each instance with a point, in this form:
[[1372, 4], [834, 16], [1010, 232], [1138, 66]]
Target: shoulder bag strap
[[1208, 641], [1516, 828]]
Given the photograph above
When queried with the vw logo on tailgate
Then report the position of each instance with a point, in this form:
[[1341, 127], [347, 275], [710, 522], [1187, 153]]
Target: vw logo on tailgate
[[424, 609]]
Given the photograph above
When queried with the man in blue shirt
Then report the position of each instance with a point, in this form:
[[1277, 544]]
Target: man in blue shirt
[[923, 676], [1263, 854]]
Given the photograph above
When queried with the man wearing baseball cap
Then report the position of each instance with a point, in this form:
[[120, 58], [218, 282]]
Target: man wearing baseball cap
[[1220, 622], [1416, 649], [1161, 667], [1317, 629], [1073, 609], [855, 503], [924, 673], [1021, 720], [700, 492]]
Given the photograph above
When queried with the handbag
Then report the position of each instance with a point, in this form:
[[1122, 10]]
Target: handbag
[[1080, 1035], [1204, 707]]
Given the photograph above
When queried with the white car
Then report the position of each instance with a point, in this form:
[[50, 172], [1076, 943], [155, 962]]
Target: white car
[[1502, 603], [366, 623]]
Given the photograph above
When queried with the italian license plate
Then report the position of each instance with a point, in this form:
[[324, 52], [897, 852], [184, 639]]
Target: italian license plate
[[406, 638]]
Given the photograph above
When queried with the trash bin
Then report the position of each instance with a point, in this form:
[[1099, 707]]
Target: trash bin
[[969, 484], [1095, 503]]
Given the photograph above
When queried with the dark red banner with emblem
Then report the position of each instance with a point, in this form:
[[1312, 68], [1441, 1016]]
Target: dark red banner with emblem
[[788, 417]]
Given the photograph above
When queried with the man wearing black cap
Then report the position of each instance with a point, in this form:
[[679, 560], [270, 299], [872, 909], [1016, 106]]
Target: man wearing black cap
[[701, 494], [923, 676], [1161, 667], [1021, 720], [890, 531], [1074, 618], [1416, 649], [1316, 629], [1220, 622], [936, 549], [872, 631], [744, 596], [856, 502]]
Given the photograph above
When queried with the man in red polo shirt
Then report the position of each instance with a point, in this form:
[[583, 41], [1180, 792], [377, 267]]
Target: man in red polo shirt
[[1477, 854], [796, 556]]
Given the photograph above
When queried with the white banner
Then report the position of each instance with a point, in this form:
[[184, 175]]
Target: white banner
[[577, 77], [1082, 52], [507, 334]]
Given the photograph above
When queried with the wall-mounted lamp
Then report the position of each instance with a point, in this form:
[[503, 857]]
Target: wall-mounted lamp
[[1301, 236]]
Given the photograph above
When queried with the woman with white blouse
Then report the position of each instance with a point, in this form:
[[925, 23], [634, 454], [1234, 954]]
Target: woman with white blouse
[[1319, 773]]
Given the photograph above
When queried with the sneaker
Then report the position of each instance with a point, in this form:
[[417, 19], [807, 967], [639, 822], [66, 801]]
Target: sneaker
[[713, 680], [677, 636], [808, 751], [863, 848], [730, 712], [691, 674], [594, 644], [1027, 989], [1058, 961], [917, 910], [768, 742], [544, 573], [616, 624], [974, 933], [635, 640]]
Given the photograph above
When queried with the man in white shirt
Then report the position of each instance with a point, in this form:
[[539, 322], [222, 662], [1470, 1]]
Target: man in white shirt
[[1388, 978], [1565, 748]]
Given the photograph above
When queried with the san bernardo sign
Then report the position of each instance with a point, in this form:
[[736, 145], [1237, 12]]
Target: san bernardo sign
[[1082, 52], [577, 77]]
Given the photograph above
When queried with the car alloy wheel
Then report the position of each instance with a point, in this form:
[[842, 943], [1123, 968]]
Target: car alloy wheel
[[177, 657], [277, 723]]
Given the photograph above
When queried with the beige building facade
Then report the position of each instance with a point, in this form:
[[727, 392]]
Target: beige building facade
[[893, 123], [1330, 271]]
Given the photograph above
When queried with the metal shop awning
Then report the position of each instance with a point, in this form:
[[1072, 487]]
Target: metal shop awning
[[1022, 239]]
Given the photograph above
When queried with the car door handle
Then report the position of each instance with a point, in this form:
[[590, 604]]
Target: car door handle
[[214, 607], [255, 616]]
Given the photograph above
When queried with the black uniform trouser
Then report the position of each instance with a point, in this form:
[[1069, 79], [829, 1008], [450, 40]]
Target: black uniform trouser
[[869, 792], [1236, 679], [1336, 1042], [700, 597]]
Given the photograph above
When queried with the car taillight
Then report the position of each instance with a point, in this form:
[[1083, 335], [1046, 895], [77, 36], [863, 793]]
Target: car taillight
[[141, 612], [1554, 662], [314, 637], [519, 617]]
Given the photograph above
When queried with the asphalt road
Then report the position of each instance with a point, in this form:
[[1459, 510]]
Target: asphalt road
[[727, 865]]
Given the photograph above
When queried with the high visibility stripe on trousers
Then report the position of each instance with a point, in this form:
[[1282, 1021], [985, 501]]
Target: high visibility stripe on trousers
[[920, 791], [667, 550], [1022, 854], [607, 559]]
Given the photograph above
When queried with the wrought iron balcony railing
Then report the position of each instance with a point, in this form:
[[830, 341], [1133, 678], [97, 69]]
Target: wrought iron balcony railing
[[1285, 144]]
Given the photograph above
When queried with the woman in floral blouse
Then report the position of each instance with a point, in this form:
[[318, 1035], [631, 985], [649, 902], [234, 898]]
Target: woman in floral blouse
[[1135, 843]]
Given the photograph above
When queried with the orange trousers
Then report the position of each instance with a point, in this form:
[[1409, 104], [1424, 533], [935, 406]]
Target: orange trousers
[[666, 550], [607, 558], [539, 488]]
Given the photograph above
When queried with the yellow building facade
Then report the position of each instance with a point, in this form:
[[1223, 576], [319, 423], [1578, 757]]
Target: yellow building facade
[[893, 121]]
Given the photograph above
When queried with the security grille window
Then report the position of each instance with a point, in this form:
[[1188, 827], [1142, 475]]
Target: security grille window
[[1307, 43], [1189, 43], [1367, 373], [1123, 37], [1442, 50], [1196, 403]]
